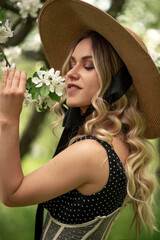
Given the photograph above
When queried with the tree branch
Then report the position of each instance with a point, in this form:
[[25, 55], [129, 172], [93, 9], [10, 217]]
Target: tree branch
[[14, 26], [116, 7], [24, 29], [7, 63], [9, 6]]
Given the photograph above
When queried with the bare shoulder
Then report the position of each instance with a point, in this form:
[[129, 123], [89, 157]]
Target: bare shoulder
[[95, 159], [90, 149]]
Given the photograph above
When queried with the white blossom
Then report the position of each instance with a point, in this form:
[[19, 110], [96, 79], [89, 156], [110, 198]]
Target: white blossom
[[42, 79], [50, 78], [5, 31], [59, 89], [39, 103], [28, 101], [29, 7], [55, 84], [50, 102]]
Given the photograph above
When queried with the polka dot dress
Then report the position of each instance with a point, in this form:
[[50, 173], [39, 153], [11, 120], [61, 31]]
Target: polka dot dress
[[76, 208]]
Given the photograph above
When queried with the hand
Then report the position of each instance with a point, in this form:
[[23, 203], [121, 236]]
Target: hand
[[12, 94]]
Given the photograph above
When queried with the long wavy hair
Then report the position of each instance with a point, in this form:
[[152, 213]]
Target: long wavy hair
[[122, 119]]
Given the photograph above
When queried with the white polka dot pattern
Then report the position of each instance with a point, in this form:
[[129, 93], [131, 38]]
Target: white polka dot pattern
[[76, 208]]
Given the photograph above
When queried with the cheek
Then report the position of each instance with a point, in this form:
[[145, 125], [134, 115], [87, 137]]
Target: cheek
[[91, 89], [95, 85]]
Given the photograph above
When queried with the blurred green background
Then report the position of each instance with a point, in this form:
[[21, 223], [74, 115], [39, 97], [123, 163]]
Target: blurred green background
[[143, 17]]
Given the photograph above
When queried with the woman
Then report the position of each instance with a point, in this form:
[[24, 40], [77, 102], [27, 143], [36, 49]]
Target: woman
[[103, 155]]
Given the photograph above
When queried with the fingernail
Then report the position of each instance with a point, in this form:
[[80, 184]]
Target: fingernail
[[13, 65], [6, 69]]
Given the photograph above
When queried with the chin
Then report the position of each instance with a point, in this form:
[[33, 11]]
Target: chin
[[69, 104], [72, 103], [75, 104]]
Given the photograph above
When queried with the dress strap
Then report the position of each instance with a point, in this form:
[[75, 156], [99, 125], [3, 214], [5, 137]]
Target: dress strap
[[109, 149], [105, 144]]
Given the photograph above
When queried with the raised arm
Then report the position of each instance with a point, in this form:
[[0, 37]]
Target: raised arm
[[77, 165], [11, 99]]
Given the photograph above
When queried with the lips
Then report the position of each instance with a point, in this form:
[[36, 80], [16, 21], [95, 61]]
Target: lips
[[72, 85], [71, 88]]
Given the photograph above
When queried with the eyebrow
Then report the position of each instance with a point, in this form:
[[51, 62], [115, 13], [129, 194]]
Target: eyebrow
[[83, 58]]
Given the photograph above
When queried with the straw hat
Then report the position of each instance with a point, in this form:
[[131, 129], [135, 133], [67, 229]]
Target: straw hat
[[62, 22]]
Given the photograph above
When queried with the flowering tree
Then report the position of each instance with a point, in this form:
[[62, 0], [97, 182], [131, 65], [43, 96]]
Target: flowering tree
[[5, 33], [22, 17]]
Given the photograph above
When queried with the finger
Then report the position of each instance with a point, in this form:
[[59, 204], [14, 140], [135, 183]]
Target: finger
[[10, 76], [22, 82], [16, 79], [4, 77]]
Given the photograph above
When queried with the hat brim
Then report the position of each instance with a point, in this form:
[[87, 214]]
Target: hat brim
[[62, 22]]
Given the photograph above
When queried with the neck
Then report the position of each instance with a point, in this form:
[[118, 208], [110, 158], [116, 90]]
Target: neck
[[81, 128]]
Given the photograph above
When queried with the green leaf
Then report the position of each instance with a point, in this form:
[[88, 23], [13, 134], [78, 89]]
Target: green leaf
[[54, 97], [29, 83], [42, 109], [43, 68], [44, 91], [35, 75], [35, 92], [2, 17], [1, 57]]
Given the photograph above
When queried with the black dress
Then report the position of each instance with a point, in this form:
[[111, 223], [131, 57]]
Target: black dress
[[77, 216]]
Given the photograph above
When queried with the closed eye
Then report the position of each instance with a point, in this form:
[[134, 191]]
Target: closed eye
[[86, 62], [89, 68]]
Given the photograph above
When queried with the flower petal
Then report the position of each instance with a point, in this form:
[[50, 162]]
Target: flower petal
[[57, 73], [36, 80], [51, 88], [59, 90], [41, 74], [47, 82], [39, 85], [51, 72]]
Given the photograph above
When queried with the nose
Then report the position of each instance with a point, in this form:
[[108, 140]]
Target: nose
[[73, 73]]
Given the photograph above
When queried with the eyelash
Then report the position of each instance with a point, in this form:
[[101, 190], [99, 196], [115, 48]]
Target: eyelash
[[87, 68]]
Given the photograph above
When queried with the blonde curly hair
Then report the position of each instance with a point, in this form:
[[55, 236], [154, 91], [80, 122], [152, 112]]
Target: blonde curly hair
[[122, 119]]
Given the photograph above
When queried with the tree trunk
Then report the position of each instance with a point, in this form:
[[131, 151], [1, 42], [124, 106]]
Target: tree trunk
[[116, 7], [31, 131]]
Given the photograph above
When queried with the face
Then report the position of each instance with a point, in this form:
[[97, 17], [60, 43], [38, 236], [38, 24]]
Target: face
[[82, 79]]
